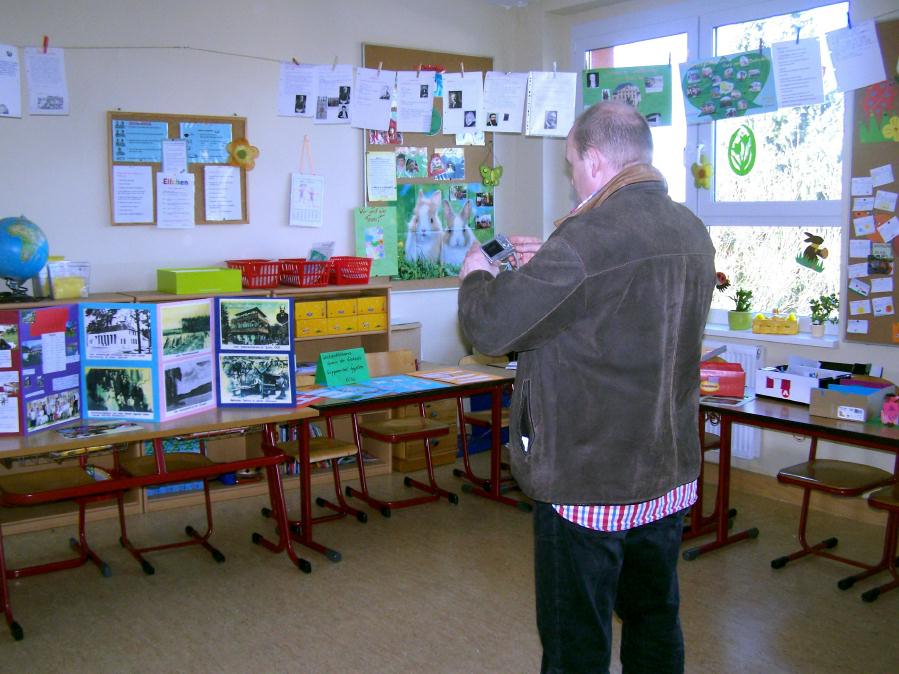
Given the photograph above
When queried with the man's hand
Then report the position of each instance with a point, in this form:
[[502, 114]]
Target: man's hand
[[474, 260], [525, 248]]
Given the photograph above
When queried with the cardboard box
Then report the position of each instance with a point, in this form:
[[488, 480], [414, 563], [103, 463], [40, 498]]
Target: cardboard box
[[309, 309], [788, 382], [313, 327], [371, 305], [721, 379], [337, 308], [858, 400], [370, 322], [198, 280]]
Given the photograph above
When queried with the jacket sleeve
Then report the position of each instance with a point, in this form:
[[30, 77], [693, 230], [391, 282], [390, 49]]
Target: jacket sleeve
[[520, 310]]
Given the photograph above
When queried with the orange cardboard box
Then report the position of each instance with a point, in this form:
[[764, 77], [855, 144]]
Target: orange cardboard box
[[721, 379]]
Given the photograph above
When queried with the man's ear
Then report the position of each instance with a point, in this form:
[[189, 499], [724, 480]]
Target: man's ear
[[596, 161]]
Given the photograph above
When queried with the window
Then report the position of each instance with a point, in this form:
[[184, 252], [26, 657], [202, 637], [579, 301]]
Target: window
[[759, 222]]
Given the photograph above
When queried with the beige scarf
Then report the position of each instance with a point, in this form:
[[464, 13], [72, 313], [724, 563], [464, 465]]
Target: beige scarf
[[636, 173]]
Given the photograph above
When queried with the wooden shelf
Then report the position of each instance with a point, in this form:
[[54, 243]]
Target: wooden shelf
[[343, 334], [55, 515]]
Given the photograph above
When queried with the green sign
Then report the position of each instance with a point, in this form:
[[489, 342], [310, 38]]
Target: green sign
[[735, 85], [376, 238], [336, 368], [741, 150], [647, 88]]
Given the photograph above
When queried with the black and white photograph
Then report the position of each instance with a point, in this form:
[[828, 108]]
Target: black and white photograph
[[119, 392], [471, 119], [186, 327], [455, 99], [491, 119], [115, 333], [254, 379], [300, 104], [423, 91], [551, 119], [592, 80], [254, 324], [343, 94], [188, 384]]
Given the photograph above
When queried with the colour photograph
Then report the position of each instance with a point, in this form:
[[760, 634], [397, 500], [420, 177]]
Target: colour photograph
[[254, 379], [113, 333], [254, 325], [53, 409], [185, 328], [119, 391]]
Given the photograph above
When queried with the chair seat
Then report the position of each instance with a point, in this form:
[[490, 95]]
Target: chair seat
[[44, 480], [886, 498], [838, 477], [711, 441], [141, 466], [405, 428], [320, 449], [485, 417]]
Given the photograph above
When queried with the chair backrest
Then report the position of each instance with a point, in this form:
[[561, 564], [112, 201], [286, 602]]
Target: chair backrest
[[381, 363], [482, 359]]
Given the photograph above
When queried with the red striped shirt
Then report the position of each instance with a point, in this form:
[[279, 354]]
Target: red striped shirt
[[629, 515]]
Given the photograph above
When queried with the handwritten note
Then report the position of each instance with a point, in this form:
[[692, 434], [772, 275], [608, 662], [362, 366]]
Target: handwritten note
[[337, 368]]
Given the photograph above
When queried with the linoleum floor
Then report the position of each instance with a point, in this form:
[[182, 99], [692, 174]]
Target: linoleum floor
[[437, 588]]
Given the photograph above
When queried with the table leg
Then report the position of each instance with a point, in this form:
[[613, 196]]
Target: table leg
[[722, 501]]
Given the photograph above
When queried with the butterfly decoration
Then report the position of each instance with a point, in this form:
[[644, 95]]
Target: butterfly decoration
[[491, 176]]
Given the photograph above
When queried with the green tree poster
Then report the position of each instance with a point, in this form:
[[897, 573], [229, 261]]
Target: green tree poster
[[647, 88]]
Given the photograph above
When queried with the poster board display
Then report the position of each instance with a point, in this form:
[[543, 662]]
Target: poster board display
[[137, 154], [437, 179], [871, 293], [39, 369]]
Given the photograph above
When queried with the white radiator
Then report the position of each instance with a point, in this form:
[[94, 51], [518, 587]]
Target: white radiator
[[746, 441]]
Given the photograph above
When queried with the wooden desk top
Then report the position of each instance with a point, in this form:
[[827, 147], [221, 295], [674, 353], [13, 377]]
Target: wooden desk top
[[791, 417], [45, 442]]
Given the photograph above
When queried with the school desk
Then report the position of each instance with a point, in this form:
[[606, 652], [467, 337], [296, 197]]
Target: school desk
[[785, 417]]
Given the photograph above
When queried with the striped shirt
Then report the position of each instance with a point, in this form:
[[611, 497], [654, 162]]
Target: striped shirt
[[629, 515]]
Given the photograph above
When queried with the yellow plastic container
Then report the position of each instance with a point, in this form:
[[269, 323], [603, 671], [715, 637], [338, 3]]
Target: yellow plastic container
[[371, 305], [342, 325], [341, 308], [370, 322], [311, 327], [311, 309]]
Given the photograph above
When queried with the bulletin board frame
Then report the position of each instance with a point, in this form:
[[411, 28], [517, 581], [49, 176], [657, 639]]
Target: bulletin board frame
[[869, 150], [238, 130]]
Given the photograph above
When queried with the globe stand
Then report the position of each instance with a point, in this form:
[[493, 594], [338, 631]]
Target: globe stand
[[17, 292]]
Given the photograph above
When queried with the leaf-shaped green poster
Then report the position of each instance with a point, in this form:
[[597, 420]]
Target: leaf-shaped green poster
[[728, 86]]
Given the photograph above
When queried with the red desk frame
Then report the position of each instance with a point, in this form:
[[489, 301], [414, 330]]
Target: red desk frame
[[786, 417]]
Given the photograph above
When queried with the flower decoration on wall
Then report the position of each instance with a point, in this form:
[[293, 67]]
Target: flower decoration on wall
[[702, 173], [891, 129], [242, 154]]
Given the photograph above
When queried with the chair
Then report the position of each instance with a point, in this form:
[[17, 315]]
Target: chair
[[839, 478], [887, 498], [321, 449], [482, 419], [401, 429], [20, 488], [144, 466]]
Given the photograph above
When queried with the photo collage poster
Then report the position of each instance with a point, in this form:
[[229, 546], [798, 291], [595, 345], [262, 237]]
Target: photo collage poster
[[187, 359], [39, 369], [254, 351], [119, 361]]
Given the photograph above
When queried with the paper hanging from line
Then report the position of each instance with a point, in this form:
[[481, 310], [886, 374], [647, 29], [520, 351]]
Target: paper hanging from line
[[132, 194], [307, 199], [381, 176], [10, 82], [550, 104], [856, 57], [48, 93], [462, 101], [798, 78], [222, 188], [296, 90], [372, 97], [333, 87], [175, 200], [504, 95], [415, 93]]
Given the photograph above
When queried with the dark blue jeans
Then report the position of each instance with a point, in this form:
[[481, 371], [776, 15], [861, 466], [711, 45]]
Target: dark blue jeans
[[583, 576]]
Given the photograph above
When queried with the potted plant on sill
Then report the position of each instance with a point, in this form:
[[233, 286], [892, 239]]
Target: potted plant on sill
[[822, 306], [740, 317]]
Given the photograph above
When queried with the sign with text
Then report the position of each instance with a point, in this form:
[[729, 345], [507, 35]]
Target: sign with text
[[336, 368]]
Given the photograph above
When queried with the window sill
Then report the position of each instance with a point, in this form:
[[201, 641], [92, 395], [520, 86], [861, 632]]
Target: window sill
[[802, 338]]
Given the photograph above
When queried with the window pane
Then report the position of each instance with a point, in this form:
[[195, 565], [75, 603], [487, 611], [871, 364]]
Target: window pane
[[668, 141], [798, 150], [763, 260]]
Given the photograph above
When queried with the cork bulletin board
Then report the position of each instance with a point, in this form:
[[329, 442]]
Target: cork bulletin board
[[124, 127], [871, 293]]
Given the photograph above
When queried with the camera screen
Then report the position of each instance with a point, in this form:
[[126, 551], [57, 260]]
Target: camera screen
[[492, 248]]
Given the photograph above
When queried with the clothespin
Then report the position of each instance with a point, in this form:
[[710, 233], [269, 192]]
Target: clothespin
[[419, 70], [760, 45], [849, 20], [462, 68], [669, 59], [798, 28], [380, 65], [295, 62], [46, 43], [334, 64], [554, 68]]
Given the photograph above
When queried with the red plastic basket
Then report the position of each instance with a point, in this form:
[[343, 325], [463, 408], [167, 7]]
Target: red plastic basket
[[350, 270], [304, 273], [257, 273]]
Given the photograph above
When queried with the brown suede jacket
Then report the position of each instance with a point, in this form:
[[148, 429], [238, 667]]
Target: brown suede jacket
[[607, 320]]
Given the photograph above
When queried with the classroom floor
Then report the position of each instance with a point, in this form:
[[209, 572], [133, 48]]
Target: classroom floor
[[437, 588]]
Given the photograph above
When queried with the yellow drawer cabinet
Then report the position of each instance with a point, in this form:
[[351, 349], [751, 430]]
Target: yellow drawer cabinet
[[370, 322], [341, 308], [342, 325], [313, 327], [371, 305], [305, 310]]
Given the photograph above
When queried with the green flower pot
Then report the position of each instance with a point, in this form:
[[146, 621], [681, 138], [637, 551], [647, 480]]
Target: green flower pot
[[739, 320]]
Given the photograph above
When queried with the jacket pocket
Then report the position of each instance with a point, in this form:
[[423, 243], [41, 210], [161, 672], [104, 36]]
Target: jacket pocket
[[522, 418]]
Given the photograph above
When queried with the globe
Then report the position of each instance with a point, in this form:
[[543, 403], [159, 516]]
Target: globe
[[23, 249]]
